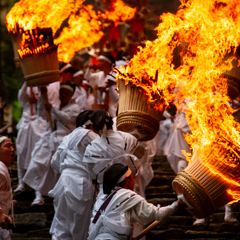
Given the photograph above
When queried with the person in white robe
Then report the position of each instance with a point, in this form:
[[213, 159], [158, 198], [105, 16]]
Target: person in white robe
[[73, 193], [66, 75], [111, 145], [30, 128], [165, 129], [90, 97], [119, 208], [176, 143], [7, 156], [106, 64], [80, 95], [40, 176]]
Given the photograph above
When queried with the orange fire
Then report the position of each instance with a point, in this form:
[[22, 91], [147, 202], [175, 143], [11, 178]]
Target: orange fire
[[85, 28], [84, 24], [28, 14], [118, 11], [211, 29]]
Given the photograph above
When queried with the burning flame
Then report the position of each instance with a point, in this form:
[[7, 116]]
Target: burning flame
[[118, 11], [211, 29], [85, 28], [28, 14], [37, 41], [84, 24]]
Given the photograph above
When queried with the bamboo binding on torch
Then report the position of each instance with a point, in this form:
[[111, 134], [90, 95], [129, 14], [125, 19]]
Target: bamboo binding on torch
[[49, 113], [135, 114], [146, 230], [205, 189]]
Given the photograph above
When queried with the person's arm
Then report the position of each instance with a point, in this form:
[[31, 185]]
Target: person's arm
[[5, 220], [92, 78], [68, 116], [113, 93], [146, 213], [22, 95]]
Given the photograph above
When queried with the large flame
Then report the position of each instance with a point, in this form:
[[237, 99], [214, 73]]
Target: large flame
[[84, 24], [85, 28], [28, 14], [211, 29], [118, 11]]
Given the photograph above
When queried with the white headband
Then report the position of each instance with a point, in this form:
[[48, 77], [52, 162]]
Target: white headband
[[127, 174], [65, 67], [101, 57], [88, 122], [67, 87], [2, 139], [78, 73]]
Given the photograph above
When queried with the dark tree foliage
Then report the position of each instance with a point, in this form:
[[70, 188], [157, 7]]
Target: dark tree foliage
[[12, 78]]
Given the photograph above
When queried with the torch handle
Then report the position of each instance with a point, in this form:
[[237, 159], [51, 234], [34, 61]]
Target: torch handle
[[146, 230], [31, 105], [48, 112]]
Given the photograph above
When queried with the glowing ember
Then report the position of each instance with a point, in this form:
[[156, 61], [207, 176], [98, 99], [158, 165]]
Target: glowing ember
[[211, 29], [37, 41]]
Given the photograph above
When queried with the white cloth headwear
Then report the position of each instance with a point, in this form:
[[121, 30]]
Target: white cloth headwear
[[88, 122], [126, 174], [67, 87], [2, 139], [101, 57], [78, 73], [65, 67]]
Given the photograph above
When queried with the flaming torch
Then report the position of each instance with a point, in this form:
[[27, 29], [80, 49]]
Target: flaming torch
[[212, 31], [38, 57]]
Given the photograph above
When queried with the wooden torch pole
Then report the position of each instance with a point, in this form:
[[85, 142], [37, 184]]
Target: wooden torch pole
[[146, 230]]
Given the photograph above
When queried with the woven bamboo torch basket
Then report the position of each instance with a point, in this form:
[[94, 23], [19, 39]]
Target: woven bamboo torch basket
[[16, 40], [205, 190], [135, 114], [40, 69]]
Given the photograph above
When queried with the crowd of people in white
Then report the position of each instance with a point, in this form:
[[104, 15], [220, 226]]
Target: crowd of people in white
[[96, 175]]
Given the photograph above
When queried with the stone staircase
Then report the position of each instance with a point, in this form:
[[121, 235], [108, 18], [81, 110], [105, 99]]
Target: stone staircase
[[180, 226], [31, 222], [34, 222]]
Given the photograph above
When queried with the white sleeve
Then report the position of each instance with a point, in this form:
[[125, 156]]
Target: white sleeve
[[55, 161], [88, 73], [113, 93], [91, 77], [41, 109], [68, 116], [23, 98], [145, 212]]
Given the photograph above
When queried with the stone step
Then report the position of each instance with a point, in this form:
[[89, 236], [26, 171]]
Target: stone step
[[179, 233], [163, 189], [161, 162], [160, 180], [33, 234]]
